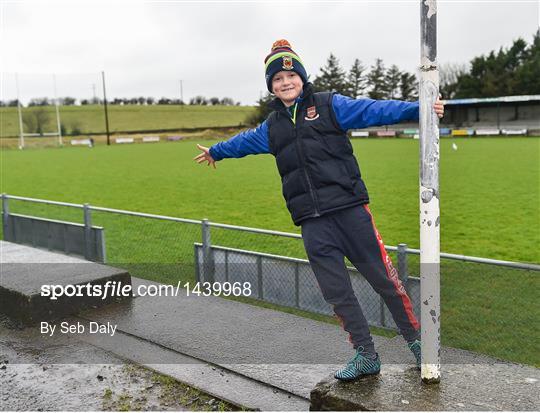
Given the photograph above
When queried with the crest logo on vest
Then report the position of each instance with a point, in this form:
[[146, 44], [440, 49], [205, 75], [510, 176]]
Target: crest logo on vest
[[312, 113]]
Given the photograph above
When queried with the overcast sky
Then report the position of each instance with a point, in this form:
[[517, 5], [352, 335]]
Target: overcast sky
[[217, 47]]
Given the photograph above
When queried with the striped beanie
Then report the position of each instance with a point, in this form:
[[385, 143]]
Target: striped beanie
[[282, 57]]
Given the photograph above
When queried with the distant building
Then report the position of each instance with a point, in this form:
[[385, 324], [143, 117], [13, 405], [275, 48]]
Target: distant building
[[499, 112], [505, 115]]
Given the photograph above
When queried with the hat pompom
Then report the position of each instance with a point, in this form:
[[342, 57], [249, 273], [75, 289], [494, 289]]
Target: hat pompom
[[279, 44]]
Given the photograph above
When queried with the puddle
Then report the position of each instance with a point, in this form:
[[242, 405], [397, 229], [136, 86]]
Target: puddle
[[33, 377]]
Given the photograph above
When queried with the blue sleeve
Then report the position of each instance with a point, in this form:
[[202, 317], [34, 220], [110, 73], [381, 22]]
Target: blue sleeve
[[362, 113], [250, 142]]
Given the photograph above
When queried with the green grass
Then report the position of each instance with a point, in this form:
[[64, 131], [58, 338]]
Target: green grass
[[91, 118], [490, 199], [490, 192]]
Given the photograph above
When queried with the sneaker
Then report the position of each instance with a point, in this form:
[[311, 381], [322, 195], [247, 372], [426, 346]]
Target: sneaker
[[362, 364], [416, 348]]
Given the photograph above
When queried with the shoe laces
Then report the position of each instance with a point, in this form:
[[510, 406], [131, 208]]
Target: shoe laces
[[360, 357]]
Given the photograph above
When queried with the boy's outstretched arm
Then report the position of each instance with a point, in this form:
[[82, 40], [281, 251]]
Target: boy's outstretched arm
[[250, 142], [362, 113]]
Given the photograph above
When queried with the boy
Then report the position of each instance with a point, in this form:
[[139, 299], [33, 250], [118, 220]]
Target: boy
[[325, 194]]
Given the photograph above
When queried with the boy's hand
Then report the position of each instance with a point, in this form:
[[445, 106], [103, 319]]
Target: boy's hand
[[205, 156], [439, 107]]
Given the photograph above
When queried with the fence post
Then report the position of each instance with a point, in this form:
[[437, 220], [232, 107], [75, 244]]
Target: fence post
[[208, 258], [297, 285], [381, 312], [5, 215], [87, 232], [403, 267], [260, 279]]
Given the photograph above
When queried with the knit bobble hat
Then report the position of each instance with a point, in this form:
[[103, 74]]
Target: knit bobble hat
[[282, 57]]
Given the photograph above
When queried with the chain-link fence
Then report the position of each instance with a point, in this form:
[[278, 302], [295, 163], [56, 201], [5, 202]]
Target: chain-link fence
[[487, 306]]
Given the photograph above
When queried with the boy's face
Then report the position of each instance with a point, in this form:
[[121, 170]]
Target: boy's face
[[287, 86]]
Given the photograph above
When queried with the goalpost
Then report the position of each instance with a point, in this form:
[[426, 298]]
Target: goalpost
[[430, 312], [22, 134]]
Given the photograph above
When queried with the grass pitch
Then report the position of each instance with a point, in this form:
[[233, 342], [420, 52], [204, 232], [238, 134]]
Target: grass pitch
[[490, 192], [490, 207]]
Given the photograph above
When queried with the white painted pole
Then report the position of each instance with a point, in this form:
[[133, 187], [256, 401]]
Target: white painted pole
[[429, 196], [19, 110], [60, 143]]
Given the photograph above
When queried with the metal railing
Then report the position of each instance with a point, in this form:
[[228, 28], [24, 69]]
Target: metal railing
[[402, 249], [487, 305]]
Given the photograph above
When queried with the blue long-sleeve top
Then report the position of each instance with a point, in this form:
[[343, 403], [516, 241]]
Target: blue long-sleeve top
[[350, 114]]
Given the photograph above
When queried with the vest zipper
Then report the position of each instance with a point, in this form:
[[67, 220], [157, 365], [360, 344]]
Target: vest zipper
[[308, 179]]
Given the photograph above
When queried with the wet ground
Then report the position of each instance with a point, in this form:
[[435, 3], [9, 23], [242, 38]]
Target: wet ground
[[33, 377]]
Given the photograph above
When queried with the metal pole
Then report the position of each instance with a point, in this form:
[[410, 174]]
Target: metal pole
[[181, 94], [208, 263], [429, 195], [21, 129], [87, 231], [403, 268], [105, 107], [5, 217], [57, 113]]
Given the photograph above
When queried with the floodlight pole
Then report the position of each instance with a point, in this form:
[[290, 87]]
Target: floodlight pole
[[429, 196], [105, 107]]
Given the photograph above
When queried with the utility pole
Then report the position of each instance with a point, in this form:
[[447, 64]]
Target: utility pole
[[105, 106], [429, 196]]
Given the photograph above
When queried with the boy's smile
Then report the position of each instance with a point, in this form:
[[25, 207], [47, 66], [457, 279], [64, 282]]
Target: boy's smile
[[287, 86]]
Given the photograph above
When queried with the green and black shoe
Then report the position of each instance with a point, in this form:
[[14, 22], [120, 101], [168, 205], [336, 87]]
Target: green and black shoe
[[416, 348], [362, 364]]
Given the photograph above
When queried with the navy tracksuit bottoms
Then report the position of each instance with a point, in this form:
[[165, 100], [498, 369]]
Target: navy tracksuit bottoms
[[351, 233]]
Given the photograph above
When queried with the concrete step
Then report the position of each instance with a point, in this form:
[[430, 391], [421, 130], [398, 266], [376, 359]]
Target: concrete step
[[219, 381], [25, 270]]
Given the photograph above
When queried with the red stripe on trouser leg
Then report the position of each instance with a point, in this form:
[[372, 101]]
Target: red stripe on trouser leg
[[392, 274], [342, 323]]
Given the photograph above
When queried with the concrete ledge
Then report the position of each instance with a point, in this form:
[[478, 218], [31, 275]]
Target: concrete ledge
[[25, 270], [463, 387], [20, 286]]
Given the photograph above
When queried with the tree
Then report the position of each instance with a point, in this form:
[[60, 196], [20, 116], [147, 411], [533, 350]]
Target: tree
[[332, 77], [141, 100], [527, 76], [356, 81], [449, 75], [13, 103], [376, 79], [36, 120], [198, 100], [408, 86], [214, 101], [227, 101], [164, 101], [261, 110], [392, 80], [67, 101], [39, 102], [511, 71], [150, 100]]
